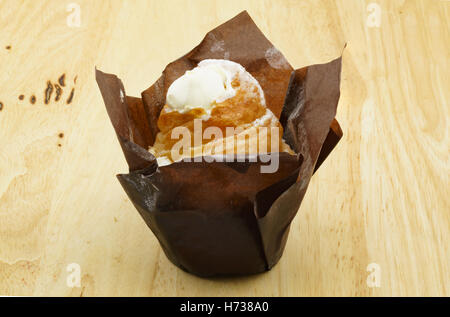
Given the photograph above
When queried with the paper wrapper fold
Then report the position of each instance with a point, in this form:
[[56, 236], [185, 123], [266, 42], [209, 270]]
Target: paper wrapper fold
[[228, 218]]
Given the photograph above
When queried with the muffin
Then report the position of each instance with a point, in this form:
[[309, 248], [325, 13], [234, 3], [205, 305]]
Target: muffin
[[215, 208], [221, 98]]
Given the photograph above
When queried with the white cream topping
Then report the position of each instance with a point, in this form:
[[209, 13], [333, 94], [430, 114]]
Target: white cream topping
[[210, 83], [207, 84]]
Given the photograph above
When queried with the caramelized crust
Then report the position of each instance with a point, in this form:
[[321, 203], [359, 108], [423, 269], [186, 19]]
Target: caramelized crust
[[241, 112]]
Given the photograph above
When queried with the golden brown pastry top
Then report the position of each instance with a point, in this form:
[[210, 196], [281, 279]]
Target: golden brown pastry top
[[245, 112]]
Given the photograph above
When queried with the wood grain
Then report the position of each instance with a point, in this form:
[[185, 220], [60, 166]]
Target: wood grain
[[381, 197]]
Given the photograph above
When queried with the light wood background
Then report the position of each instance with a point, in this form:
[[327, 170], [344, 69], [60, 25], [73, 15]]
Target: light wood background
[[382, 196]]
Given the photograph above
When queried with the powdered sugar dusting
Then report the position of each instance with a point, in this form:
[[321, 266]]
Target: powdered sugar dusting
[[275, 58], [262, 121], [218, 46], [245, 78], [122, 96]]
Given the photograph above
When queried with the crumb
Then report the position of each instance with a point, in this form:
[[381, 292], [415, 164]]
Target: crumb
[[33, 99], [8, 47], [21, 97], [61, 135]]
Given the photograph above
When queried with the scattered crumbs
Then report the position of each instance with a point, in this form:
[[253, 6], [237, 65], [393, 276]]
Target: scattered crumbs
[[8, 47], [33, 99], [75, 79], [21, 97], [61, 135], [58, 92], [62, 80], [1, 106], [48, 92], [69, 100]]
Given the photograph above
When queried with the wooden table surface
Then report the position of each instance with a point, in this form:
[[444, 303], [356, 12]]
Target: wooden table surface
[[374, 222]]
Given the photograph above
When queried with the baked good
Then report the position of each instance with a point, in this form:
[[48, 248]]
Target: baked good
[[218, 99], [225, 217]]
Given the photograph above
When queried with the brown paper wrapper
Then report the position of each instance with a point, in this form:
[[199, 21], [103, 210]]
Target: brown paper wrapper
[[228, 218]]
